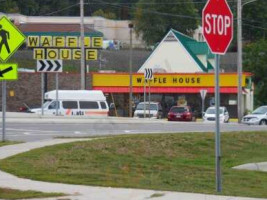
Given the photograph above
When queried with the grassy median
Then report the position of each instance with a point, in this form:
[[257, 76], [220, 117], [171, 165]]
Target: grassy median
[[176, 162], [17, 194]]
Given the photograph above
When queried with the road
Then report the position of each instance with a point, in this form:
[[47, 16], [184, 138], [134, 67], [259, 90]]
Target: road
[[35, 129]]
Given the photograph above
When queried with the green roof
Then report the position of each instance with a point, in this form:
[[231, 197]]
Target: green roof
[[195, 48]]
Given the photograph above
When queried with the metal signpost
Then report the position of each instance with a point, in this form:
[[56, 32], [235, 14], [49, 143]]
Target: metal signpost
[[148, 76], [50, 66], [11, 39], [217, 24]]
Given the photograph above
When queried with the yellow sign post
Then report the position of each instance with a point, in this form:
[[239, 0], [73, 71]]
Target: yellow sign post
[[8, 71], [10, 39]]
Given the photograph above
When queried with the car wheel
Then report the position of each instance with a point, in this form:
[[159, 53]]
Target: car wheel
[[263, 122]]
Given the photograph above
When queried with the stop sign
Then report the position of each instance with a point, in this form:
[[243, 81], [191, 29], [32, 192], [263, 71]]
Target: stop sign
[[217, 25]]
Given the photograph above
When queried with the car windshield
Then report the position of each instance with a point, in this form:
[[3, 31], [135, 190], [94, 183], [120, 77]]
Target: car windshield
[[178, 109], [141, 106], [260, 110], [212, 111], [46, 104]]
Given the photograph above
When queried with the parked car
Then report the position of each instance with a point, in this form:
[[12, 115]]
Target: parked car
[[257, 117], [181, 113], [143, 109], [209, 115]]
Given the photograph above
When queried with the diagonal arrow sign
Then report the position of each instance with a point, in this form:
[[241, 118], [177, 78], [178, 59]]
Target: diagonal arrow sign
[[5, 71]]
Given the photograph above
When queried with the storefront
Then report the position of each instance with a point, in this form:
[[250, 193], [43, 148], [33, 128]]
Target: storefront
[[181, 67], [169, 89]]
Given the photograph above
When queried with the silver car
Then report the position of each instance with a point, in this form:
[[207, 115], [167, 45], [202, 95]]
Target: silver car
[[257, 117]]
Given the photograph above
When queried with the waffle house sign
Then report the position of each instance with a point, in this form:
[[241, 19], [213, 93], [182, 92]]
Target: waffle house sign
[[63, 47]]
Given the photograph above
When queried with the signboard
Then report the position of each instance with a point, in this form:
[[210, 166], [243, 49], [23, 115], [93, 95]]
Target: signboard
[[10, 39], [217, 24], [148, 73], [48, 47], [167, 80], [8, 71], [49, 66], [203, 93]]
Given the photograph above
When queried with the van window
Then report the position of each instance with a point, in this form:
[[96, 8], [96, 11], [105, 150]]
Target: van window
[[70, 104], [88, 105], [53, 105], [103, 105]]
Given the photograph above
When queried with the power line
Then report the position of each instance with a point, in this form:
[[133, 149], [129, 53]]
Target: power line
[[66, 8]]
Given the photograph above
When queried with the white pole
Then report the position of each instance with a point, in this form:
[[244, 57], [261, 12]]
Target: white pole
[[239, 60], [82, 46], [3, 110], [217, 130]]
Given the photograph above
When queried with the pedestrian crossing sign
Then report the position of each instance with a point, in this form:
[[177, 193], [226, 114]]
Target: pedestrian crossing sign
[[10, 39]]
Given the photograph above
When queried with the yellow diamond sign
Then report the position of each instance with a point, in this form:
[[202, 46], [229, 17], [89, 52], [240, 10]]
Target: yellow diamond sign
[[8, 71], [10, 38]]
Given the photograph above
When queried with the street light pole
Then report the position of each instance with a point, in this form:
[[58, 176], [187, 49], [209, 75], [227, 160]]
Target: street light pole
[[82, 46], [131, 71], [239, 57]]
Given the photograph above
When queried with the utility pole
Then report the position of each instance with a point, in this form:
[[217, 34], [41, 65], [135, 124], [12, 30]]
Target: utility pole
[[131, 71], [239, 60], [82, 46]]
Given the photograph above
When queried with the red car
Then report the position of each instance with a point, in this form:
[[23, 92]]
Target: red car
[[181, 113]]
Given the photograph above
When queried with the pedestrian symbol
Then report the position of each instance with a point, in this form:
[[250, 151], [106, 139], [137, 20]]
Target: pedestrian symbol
[[10, 39]]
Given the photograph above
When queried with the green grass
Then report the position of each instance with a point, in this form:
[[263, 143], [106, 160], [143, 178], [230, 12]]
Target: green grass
[[8, 143], [17, 194], [175, 162]]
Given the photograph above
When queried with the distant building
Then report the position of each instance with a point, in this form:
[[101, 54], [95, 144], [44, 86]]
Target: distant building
[[111, 29]]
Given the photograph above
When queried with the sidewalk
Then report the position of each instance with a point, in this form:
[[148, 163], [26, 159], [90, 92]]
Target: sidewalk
[[79, 192]]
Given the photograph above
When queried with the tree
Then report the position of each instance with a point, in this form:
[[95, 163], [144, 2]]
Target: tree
[[9, 6], [153, 20], [108, 15], [255, 61]]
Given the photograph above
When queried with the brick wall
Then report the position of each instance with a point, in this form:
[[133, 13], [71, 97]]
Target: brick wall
[[27, 89]]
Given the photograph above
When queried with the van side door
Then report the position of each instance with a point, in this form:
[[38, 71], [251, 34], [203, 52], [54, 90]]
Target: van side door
[[70, 107]]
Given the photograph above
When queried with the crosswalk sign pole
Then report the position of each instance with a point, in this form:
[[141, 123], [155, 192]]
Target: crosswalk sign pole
[[3, 110]]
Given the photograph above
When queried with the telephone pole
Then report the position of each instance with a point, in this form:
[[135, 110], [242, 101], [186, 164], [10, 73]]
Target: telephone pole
[[82, 46]]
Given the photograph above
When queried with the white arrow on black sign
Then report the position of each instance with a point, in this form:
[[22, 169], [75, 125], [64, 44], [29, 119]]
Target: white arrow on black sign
[[49, 66], [148, 73]]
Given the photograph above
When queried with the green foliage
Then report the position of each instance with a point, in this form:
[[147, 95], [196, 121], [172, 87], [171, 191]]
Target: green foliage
[[16, 194], [154, 20], [9, 6], [108, 15], [254, 19], [255, 61], [173, 162]]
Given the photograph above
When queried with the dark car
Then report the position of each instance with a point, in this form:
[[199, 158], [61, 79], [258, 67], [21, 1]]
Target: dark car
[[181, 113]]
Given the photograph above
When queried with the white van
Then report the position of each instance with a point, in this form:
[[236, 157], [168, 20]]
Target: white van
[[155, 110], [75, 102]]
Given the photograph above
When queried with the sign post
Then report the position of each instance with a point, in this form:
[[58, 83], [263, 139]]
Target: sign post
[[10, 40], [148, 76], [217, 24]]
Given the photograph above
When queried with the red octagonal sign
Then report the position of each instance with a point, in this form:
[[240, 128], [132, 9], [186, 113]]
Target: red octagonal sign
[[217, 25]]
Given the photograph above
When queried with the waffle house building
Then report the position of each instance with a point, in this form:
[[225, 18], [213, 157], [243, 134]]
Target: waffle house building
[[181, 67]]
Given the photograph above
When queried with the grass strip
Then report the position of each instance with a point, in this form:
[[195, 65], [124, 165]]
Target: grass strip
[[173, 162], [6, 193]]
